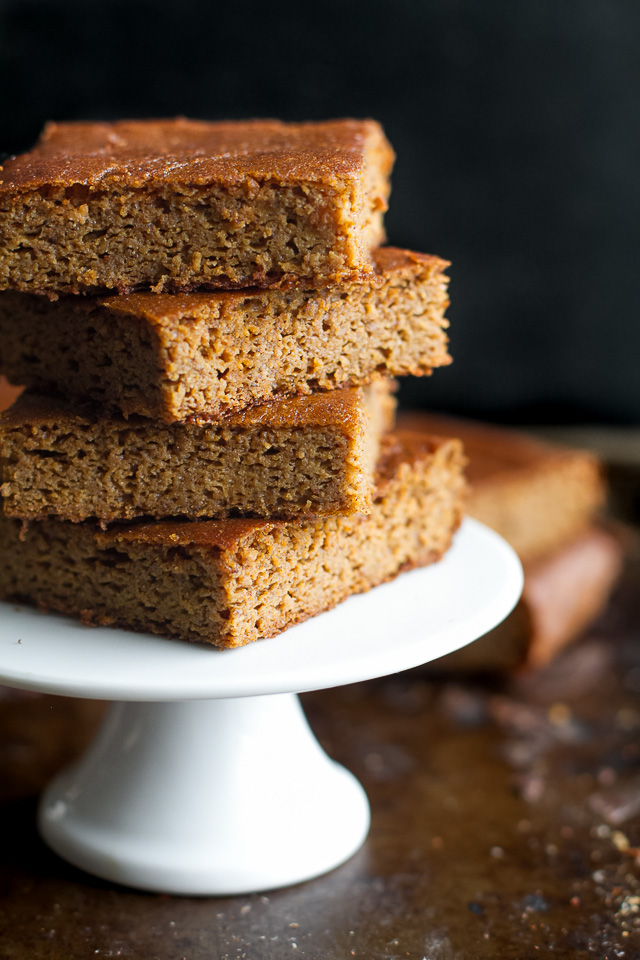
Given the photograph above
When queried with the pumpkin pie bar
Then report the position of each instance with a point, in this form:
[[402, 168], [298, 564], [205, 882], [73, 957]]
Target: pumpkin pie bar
[[545, 500], [563, 593], [170, 357], [183, 204], [536, 495], [292, 457], [228, 582]]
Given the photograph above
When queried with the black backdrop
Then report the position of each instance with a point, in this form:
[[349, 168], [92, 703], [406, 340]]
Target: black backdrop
[[517, 131]]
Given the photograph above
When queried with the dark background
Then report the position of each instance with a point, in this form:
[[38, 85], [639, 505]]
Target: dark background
[[517, 132]]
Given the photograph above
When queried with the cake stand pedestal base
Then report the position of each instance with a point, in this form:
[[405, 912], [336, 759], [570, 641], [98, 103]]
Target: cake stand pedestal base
[[206, 797], [205, 778]]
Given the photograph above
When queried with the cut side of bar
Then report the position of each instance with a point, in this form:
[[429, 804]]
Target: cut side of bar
[[230, 582], [183, 204], [170, 357], [300, 456]]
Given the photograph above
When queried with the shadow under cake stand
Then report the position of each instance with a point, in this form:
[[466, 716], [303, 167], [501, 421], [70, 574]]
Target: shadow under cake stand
[[205, 777]]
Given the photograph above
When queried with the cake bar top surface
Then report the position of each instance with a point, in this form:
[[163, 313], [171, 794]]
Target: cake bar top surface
[[402, 450], [178, 151]]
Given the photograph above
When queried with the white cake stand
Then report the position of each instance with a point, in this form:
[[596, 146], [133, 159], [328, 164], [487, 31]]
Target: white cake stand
[[205, 778]]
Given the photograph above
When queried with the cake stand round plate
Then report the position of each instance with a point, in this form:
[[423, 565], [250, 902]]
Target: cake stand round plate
[[205, 777]]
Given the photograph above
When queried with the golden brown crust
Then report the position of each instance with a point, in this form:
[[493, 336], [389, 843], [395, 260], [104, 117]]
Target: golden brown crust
[[181, 205], [144, 153]]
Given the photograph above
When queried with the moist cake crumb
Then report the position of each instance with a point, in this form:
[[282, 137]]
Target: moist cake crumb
[[229, 582], [287, 458], [174, 357], [181, 204]]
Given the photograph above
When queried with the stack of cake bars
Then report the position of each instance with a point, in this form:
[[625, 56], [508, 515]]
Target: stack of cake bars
[[208, 325]]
